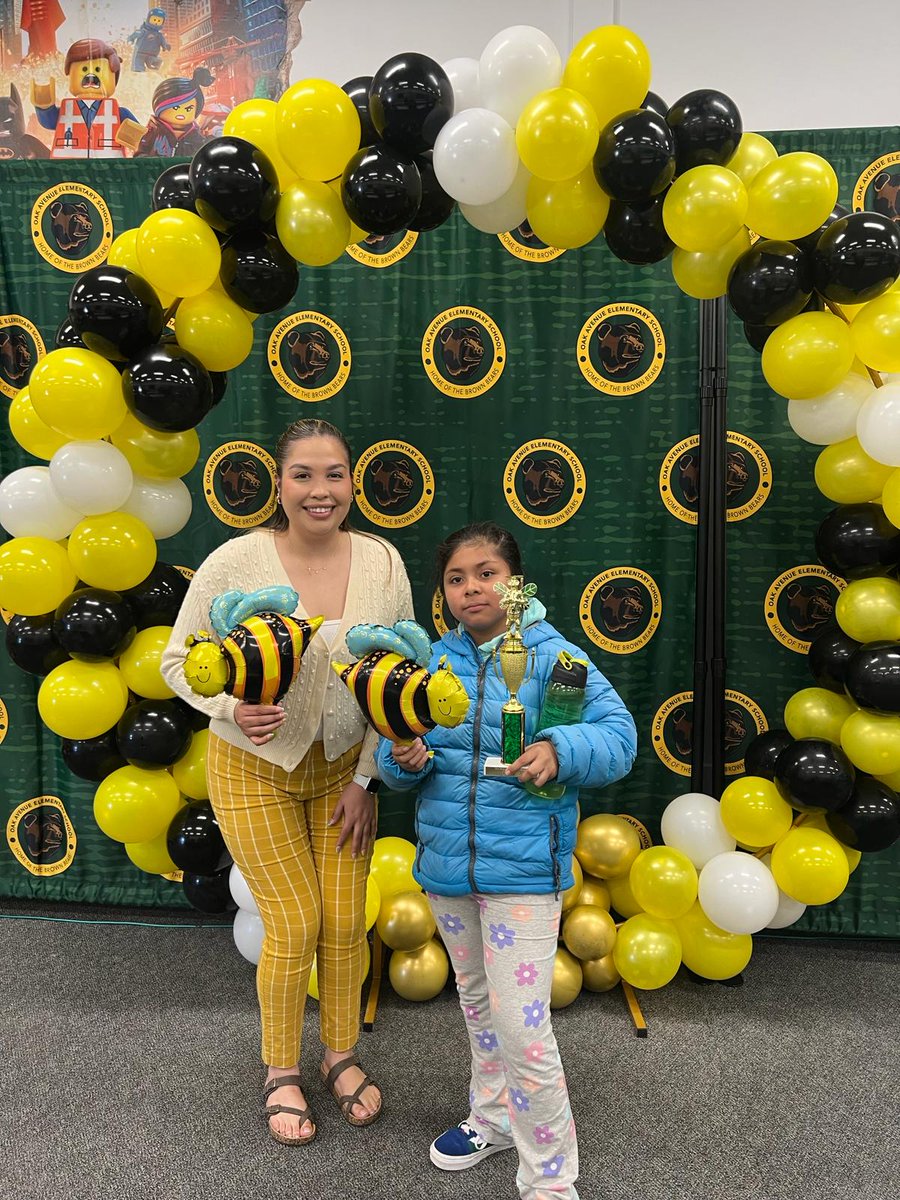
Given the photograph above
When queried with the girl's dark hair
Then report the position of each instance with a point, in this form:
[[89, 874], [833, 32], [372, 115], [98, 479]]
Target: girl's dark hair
[[306, 427], [181, 90], [489, 532]]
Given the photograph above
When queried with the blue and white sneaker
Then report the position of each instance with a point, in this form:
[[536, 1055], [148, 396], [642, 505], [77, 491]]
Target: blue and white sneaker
[[462, 1147]]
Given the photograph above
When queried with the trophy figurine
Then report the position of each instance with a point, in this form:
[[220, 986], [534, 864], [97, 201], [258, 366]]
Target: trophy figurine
[[516, 667]]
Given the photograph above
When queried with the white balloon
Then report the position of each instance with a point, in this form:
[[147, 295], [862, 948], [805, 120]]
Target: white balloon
[[93, 477], [164, 505], [504, 213], [30, 507], [738, 893], [515, 65], [789, 910], [878, 425], [831, 417], [463, 76], [692, 823], [248, 934], [475, 157], [240, 893]]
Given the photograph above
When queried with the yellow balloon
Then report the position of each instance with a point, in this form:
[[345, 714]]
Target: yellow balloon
[[134, 805], [600, 974], [622, 898], [753, 153], [595, 892], [78, 393], [405, 921], [709, 951], [312, 223], [373, 902], [810, 866], [792, 196], [571, 896], [356, 234], [807, 356], [610, 66], [139, 665], [704, 209], [33, 434], [189, 772], [82, 700], [214, 329], [318, 128], [255, 122], [754, 811], [567, 979], [178, 252], [847, 475], [419, 974], [663, 882], [153, 453], [35, 576], [890, 497], [703, 274], [817, 713], [606, 846], [872, 742], [557, 134], [112, 550], [589, 932], [647, 953], [392, 862], [152, 857], [875, 333], [569, 213], [123, 253], [868, 610], [820, 822]]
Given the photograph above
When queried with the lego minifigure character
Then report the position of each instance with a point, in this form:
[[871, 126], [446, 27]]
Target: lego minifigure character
[[149, 41], [173, 128]]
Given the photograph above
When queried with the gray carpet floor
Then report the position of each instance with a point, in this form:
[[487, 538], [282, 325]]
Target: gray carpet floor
[[130, 1072]]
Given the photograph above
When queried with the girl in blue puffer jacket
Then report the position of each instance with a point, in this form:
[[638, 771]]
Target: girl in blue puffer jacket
[[494, 861]]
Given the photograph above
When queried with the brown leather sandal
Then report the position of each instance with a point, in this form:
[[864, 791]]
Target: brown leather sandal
[[272, 1110], [345, 1103]]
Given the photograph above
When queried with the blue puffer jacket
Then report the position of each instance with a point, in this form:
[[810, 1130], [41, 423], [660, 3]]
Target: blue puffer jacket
[[489, 835]]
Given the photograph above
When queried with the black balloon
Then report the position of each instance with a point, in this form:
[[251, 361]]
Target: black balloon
[[93, 758], [635, 233], [195, 842], [167, 388], [381, 189], [762, 753], [219, 381], [857, 540], [209, 893], [257, 272], [635, 157], [94, 624], [829, 654], [814, 775], [808, 243], [157, 599], [153, 734], [656, 104], [871, 820], [758, 335], [68, 335], [234, 184], [410, 100], [769, 283], [32, 645], [358, 91], [115, 312], [873, 677], [857, 258], [435, 206], [194, 717], [707, 128], [173, 189]]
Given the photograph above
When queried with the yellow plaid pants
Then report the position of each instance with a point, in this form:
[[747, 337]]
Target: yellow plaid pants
[[311, 897]]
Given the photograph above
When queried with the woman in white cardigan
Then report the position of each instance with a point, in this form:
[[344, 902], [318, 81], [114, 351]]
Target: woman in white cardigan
[[297, 810]]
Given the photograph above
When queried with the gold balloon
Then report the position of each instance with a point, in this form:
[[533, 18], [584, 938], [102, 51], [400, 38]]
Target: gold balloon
[[868, 610], [567, 979], [589, 932], [600, 974], [595, 892], [419, 974], [570, 896], [405, 921], [607, 845], [622, 898], [816, 712]]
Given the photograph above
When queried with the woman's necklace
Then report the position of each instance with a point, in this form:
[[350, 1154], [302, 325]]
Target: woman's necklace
[[316, 570]]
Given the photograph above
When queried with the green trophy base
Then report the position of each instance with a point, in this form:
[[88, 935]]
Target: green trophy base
[[512, 742]]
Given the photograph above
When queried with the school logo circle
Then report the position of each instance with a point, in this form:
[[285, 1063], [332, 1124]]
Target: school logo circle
[[800, 603], [621, 349], [21, 345], [393, 484], [878, 187], [463, 352], [522, 242], [441, 616], [383, 249], [41, 836], [620, 609], [71, 227], [544, 483], [748, 478], [4, 722], [309, 355], [239, 484], [673, 728]]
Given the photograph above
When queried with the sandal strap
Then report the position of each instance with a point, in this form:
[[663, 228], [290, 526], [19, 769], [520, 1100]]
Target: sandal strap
[[350, 1061], [348, 1101], [272, 1110], [281, 1081]]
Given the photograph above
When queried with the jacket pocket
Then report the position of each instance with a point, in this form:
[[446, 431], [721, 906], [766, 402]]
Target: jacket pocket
[[554, 851]]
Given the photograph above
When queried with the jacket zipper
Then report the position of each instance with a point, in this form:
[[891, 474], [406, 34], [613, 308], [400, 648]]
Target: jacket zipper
[[473, 782], [419, 846], [554, 852]]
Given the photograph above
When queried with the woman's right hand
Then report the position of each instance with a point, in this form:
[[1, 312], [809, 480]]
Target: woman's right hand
[[258, 722], [411, 756]]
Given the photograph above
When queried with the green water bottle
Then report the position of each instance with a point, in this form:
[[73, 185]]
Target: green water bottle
[[563, 705]]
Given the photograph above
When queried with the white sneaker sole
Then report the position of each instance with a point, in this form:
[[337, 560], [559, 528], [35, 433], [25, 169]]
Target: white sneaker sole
[[453, 1162]]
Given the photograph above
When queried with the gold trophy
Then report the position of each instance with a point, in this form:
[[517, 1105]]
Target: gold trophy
[[516, 667]]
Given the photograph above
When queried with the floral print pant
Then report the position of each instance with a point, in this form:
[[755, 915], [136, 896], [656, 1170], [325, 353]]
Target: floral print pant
[[502, 948]]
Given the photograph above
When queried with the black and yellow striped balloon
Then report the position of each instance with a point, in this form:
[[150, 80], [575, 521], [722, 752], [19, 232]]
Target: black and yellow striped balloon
[[392, 692], [263, 655]]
